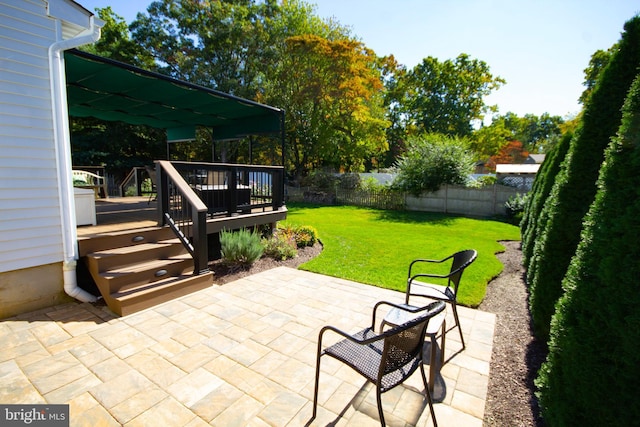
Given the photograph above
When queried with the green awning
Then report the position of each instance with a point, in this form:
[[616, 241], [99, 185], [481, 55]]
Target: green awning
[[113, 91]]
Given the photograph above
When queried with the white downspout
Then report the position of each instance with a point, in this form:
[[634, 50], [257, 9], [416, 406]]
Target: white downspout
[[62, 145]]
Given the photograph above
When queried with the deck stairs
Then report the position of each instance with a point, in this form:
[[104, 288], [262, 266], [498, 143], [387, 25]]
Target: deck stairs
[[138, 269]]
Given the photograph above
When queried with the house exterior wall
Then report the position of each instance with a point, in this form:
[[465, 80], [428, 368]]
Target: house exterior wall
[[31, 242], [30, 289], [30, 231]]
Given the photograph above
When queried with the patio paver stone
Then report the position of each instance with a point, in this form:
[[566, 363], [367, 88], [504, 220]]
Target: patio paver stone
[[240, 354]]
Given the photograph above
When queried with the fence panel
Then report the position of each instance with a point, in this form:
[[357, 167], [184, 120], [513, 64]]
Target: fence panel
[[485, 201]]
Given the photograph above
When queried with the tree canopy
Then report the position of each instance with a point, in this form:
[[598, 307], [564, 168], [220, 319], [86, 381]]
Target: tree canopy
[[346, 108], [447, 97]]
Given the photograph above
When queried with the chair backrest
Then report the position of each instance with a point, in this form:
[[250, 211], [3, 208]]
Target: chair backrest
[[87, 177], [403, 343], [461, 260]]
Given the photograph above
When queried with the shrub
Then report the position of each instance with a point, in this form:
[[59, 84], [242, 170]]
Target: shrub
[[575, 186], [349, 181], [532, 222], [371, 184], [305, 235], [515, 207], [431, 161], [320, 179], [592, 370], [241, 247], [280, 246]]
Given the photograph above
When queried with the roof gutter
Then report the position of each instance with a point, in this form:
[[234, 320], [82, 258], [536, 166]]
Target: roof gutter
[[62, 146]]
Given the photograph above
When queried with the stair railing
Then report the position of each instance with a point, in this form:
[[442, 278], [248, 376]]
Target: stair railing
[[181, 209]]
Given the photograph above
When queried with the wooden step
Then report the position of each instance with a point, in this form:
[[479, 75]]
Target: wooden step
[[138, 269], [104, 260], [124, 277], [145, 296], [110, 240]]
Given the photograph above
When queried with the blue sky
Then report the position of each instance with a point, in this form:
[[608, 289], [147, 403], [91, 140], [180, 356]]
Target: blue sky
[[540, 47]]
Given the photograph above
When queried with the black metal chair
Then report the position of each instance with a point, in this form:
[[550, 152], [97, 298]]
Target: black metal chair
[[386, 359], [415, 287]]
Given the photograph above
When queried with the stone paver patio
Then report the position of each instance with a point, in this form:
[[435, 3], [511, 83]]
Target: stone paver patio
[[242, 354]]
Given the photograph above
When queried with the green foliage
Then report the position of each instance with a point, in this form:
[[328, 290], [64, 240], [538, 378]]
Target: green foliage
[[306, 235], [349, 181], [515, 207], [376, 246], [287, 238], [372, 184], [320, 178], [487, 180], [446, 97], [333, 93], [280, 246], [242, 247], [592, 370], [537, 133], [575, 186], [532, 221], [431, 161]]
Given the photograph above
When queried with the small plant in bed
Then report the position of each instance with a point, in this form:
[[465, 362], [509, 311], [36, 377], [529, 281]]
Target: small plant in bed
[[240, 248]]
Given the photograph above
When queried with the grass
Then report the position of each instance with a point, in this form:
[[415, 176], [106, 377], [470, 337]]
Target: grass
[[375, 246]]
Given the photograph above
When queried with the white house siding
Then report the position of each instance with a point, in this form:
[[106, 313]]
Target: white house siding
[[30, 232], [30, 225]]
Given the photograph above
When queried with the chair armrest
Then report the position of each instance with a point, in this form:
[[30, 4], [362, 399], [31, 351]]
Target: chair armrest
[[433, 261], [345, 335], [402, 307]]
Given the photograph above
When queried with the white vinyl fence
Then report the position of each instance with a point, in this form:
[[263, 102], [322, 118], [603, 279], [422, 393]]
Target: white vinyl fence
[[485, 201], [481, 202]]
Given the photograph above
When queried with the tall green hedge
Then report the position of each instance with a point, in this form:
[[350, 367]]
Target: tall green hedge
[[592, 371], [529, 226], [574, 188]]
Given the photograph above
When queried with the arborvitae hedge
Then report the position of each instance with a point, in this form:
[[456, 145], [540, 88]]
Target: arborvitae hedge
[[538, 195], [574, 188], [592, 372]]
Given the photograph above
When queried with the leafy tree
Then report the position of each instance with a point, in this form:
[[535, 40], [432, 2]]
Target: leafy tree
[[223, 45], [431, 161], [115, 42], [575, 186], [332, 91], [592, 370], [537, 133], [513, 152], [446, 97], [393, 77], [597, 63]]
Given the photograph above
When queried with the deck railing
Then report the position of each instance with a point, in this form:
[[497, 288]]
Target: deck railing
[[184, 212], [189, 193], [231, 189]]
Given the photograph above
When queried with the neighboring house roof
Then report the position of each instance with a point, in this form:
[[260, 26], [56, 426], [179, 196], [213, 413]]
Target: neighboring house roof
[[520, 168], [536, 158], [114, 91]]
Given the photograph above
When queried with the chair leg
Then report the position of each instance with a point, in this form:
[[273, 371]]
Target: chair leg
[[432, 363], [455, 315], [444, 335], [315, 390], [379, 399], [428, 393]]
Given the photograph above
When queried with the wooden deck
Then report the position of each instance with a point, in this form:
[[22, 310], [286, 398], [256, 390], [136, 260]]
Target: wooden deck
[[129, 213], [120, 214]]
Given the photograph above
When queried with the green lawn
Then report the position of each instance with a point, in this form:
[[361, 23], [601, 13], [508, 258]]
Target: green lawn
[[376, 246]]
